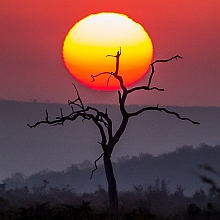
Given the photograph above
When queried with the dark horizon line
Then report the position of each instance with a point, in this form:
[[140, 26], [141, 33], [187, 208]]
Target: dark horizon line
[[112, 104]]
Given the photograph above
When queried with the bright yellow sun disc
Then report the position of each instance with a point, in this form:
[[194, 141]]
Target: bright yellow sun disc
[[92, 38]]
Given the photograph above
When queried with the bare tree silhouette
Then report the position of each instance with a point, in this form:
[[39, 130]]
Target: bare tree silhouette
[[109, 139]]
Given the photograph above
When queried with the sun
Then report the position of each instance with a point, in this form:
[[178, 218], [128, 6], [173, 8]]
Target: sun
[[89, 41]]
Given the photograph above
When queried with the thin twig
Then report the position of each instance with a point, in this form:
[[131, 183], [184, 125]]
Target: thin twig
[[157, 108], [96, 168], [78, 99], [103, 73]]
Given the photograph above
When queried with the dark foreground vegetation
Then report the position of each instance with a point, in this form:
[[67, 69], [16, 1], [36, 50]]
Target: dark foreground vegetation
[[55, 195], [143, 202]]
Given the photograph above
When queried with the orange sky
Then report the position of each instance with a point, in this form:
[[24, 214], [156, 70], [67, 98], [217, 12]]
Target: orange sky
[[32, 33]]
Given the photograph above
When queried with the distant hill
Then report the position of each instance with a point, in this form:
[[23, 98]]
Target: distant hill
[[177, 168], [28, 150]]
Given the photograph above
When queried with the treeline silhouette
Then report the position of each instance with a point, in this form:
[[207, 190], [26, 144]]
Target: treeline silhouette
[[145, 191], [151, 202], [178, 168]]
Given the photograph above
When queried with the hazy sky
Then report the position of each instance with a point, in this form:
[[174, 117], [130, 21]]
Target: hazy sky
[[32, 33]]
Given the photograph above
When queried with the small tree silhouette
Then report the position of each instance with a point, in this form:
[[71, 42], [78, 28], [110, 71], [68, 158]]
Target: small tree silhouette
[[105, 124]]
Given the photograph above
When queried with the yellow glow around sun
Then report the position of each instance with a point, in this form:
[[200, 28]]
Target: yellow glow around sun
[[92, 38]]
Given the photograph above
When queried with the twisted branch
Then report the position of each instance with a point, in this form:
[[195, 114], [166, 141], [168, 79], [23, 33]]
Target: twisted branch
[[148, 87], [157, 108], [96, 168], [160, 61], [103, 73]]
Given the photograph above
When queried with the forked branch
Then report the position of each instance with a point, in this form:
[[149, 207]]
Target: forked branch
[[115, 74], [123, 96], [152, 65], [160, 61], [78, 99]]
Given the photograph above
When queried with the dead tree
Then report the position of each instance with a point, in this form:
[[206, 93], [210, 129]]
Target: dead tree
[[104, 123]]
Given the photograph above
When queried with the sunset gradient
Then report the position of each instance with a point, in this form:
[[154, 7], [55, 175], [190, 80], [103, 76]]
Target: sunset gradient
[[32, 35], [92, 38]]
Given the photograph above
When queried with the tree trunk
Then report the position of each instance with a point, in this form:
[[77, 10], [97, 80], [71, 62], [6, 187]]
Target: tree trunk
[[112, 189]]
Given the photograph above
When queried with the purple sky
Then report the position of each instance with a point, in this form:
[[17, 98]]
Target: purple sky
[[32, 33]]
